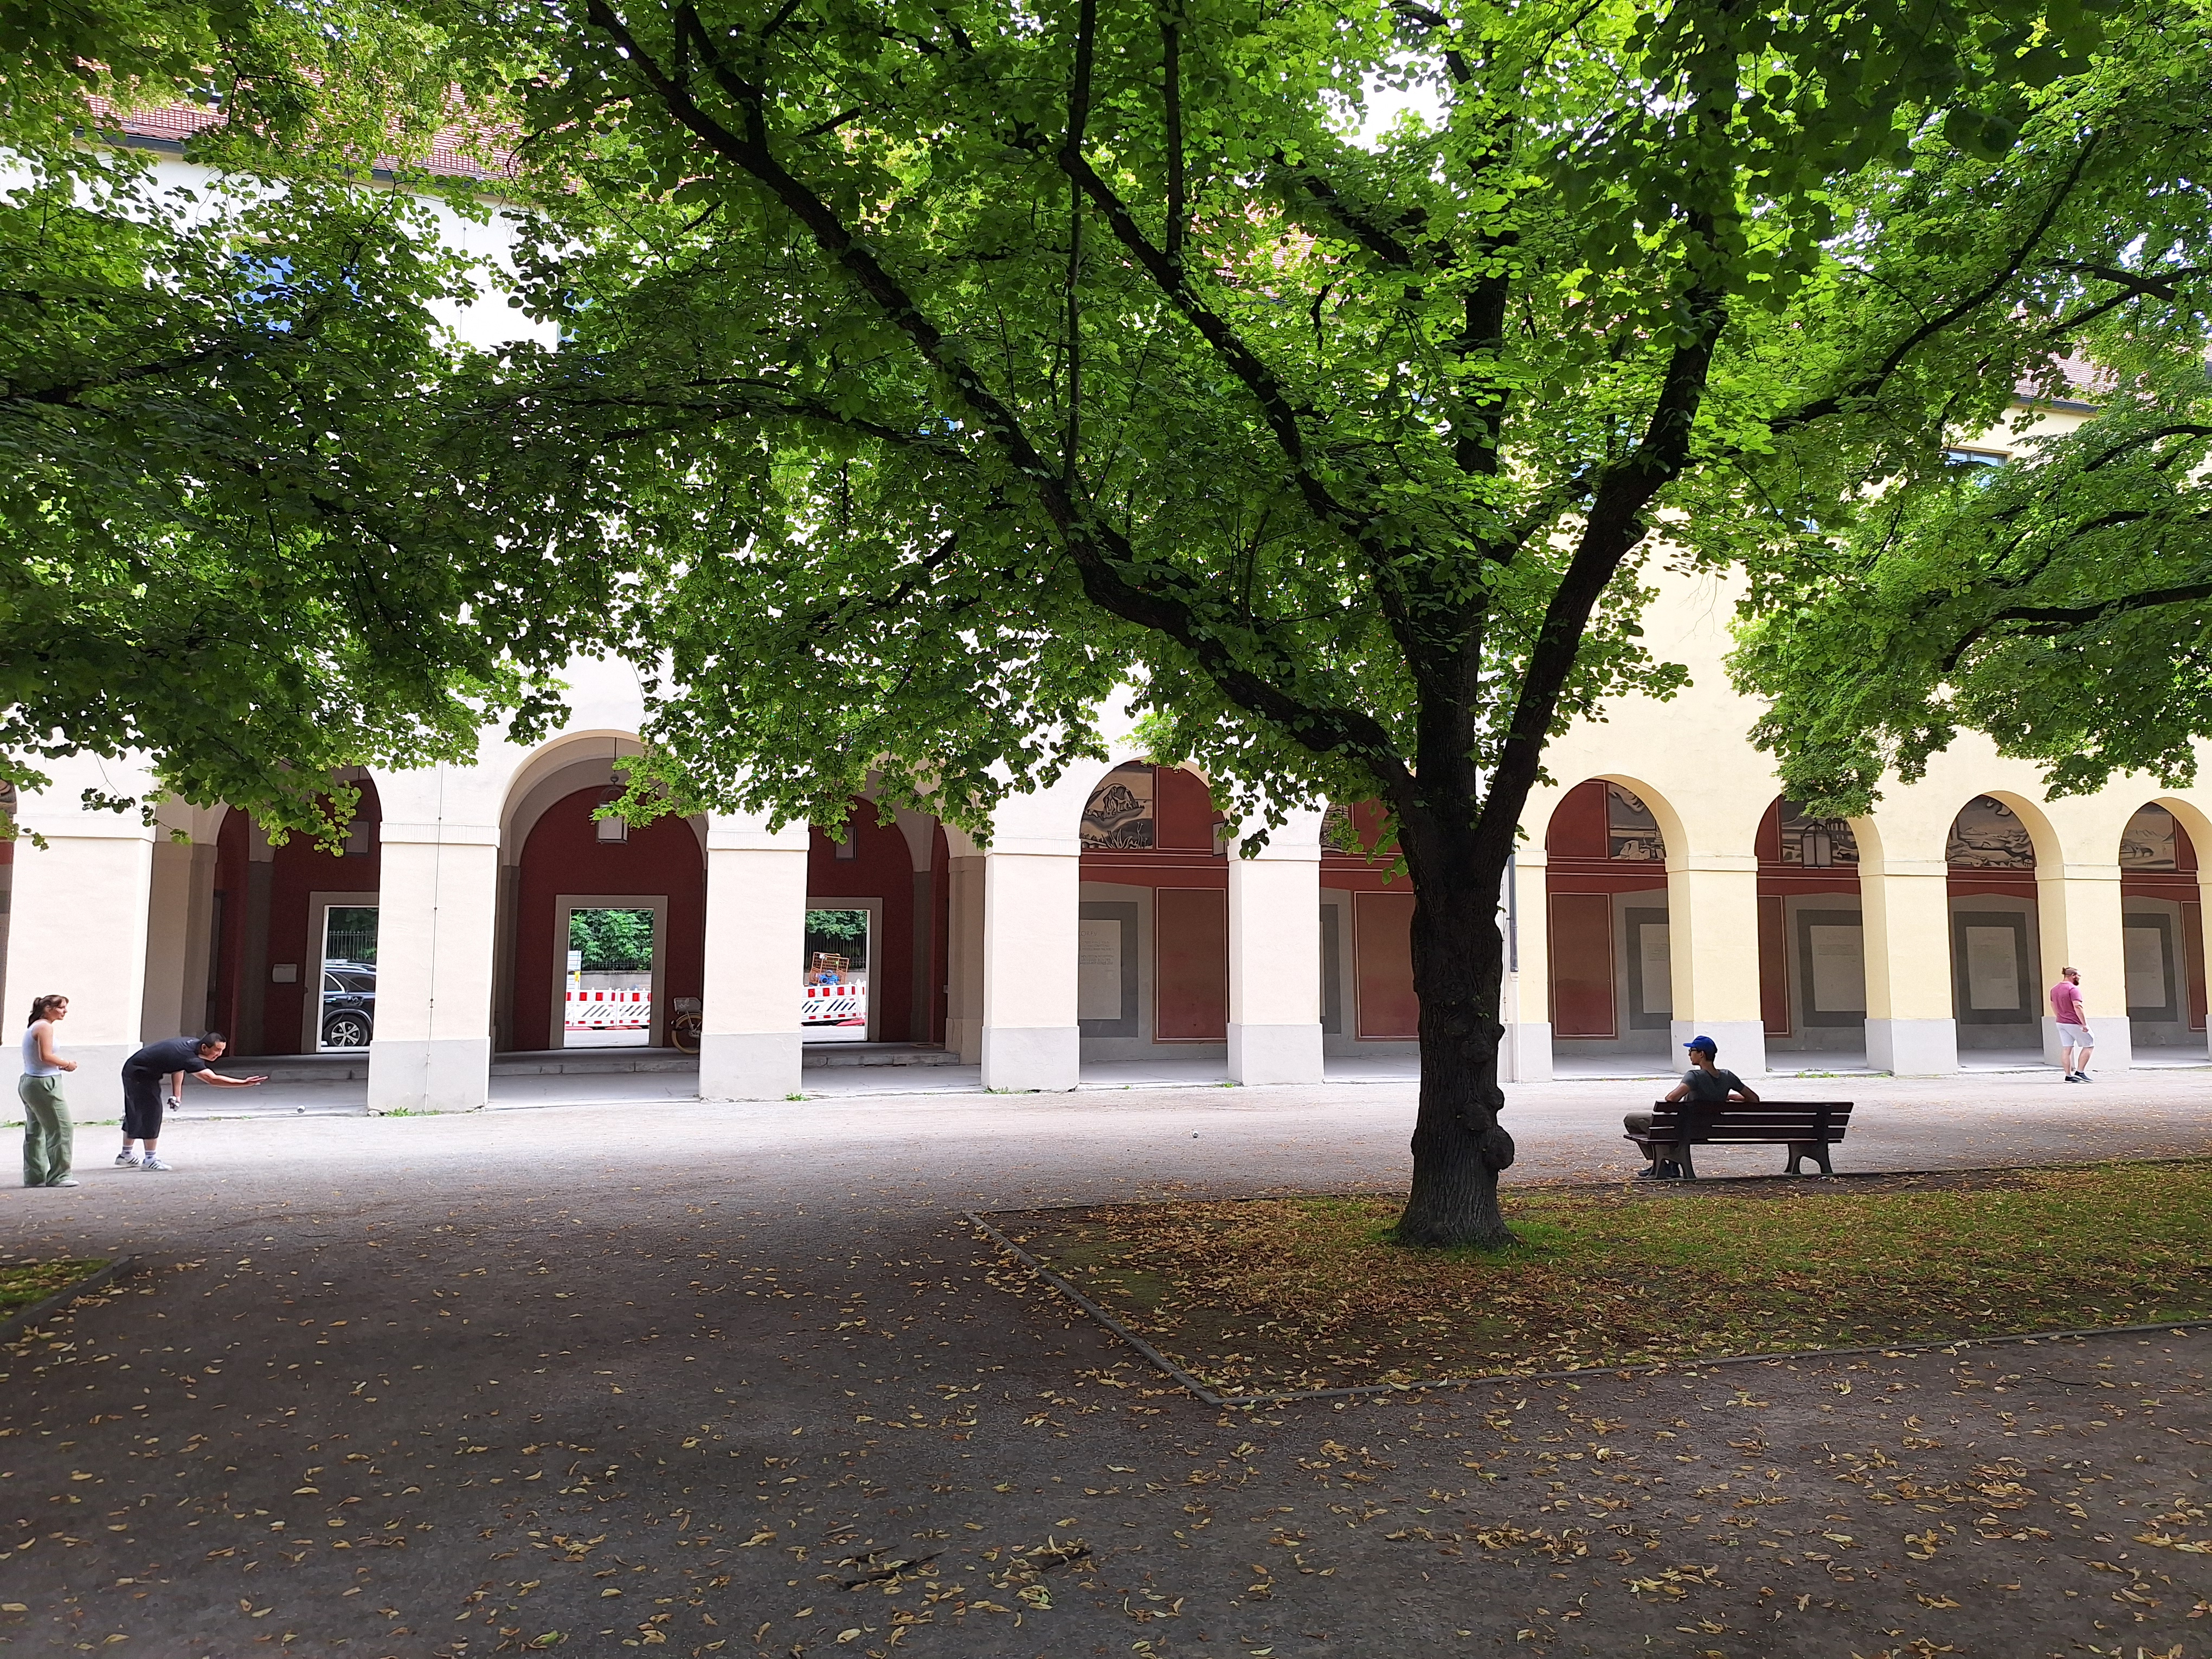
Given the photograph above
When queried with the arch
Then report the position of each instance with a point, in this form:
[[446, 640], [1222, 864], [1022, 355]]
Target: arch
[[267, 928], [1610, 842], [1968, 844], [1812, 930], [565, 855], [1995, 846], [1152, 913], [2162, 928], [897, 872], [556, 769]]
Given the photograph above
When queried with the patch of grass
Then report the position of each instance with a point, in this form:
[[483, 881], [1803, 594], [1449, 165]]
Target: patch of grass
[[1312, 1292], [22, 1283]]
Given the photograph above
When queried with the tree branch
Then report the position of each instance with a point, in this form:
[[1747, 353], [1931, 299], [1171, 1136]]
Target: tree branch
[[1868, 385], [1103, 556]]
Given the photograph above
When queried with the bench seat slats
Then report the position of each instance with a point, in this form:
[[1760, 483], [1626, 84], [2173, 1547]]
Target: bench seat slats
[[1814, 1125]]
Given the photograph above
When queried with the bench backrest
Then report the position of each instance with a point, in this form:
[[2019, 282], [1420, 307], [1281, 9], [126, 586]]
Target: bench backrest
[[1822, 1121]]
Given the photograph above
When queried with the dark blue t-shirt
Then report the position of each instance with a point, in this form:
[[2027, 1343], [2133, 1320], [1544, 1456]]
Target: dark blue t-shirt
[[170, 1055]]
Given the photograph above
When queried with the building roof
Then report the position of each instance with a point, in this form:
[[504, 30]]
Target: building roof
[[169, 126]]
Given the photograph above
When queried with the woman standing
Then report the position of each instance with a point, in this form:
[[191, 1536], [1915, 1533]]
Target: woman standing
[[48, 1132]]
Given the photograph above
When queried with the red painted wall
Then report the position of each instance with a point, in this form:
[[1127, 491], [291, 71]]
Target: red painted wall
[[1582, 966], [1383, 950], [1191, 943], [564, 854], [230, 917], [881, 867], [299, 868]]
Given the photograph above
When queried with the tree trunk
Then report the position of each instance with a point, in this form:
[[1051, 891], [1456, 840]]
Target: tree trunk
[[1459, 1147]]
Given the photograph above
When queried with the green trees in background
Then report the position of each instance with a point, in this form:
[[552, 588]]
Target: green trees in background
[[612, 941]]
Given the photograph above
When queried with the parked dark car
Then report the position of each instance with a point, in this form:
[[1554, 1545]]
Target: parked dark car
[[349, 1003]]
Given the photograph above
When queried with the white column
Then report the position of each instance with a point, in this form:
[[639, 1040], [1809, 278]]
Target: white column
[[963, 953], [2078, 920], [1905, 904], [1274, 958], [1712, 937], [749, 1045], [78, 928], [1528, 1048], [1031, 1039], [436, 922]]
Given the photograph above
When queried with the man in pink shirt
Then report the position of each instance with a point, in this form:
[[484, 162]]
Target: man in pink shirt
[[2073, 1025]]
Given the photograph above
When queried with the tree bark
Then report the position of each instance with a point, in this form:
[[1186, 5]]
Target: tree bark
[[1459, 1145]]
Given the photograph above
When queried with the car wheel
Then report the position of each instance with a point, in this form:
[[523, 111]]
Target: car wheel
[[346, 1030]]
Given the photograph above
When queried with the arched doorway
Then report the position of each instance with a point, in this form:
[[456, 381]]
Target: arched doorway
[[2162, 936], [1812, 958], [291, 934], [1369, 1005], [606, 920], [874, 967], [1605, 882], [1996, 933], [1152, 926]]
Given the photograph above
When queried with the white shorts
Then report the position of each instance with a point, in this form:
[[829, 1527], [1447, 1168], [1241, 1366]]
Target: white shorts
[[2076, 1036]]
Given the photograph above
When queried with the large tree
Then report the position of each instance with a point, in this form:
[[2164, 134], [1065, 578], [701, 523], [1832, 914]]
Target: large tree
[[954, 362], [229, 534]]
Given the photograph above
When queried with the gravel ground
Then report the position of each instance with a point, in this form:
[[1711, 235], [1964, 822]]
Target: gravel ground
[[738, 1381]]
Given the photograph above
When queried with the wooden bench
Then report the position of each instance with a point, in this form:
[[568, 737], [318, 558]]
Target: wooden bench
[[1806, 1128]]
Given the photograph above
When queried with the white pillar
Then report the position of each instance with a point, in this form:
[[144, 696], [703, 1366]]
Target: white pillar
[[1905, 904], [436, 922], [1712, 937], [2078, 920], [964, 951], [1527, 1055], [1030, 1037], [79, 928], [749, 1044], [1274, 958]]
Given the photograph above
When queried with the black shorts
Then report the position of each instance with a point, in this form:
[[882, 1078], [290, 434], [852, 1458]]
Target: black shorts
[[141, 1107]]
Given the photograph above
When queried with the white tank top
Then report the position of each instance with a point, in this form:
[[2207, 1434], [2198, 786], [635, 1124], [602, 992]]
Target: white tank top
[[32, 1066]]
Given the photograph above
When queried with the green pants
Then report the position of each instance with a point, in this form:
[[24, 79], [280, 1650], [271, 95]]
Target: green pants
[[47, 1131]]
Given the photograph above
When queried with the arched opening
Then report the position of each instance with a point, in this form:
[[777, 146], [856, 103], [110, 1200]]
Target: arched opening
[[1812, 958], [1996, 937], [1153, 939], [602, 922], [2162, 937], [1605, 883], [609, 926], [289, 934], [873, 967], [1368, 1007]]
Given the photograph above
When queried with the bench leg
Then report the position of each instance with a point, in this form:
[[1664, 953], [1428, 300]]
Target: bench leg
[[1815, 1150], [1682, 1159]]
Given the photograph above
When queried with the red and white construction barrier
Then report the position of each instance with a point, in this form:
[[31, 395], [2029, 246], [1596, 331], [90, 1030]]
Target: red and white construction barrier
[[835, 1004], [609, 1011]]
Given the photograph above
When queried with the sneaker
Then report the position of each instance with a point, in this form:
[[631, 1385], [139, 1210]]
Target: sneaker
[[66, 1180], [126, 1159], [2075, 1077], [155, 1164], [2083, 1077]]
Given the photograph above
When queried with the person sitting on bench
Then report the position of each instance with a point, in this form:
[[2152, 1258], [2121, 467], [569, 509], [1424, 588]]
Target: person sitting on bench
[[1706, 1085]]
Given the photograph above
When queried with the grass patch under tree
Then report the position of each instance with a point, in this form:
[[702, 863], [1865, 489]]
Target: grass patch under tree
[[23, 1283], [1311, 1292]]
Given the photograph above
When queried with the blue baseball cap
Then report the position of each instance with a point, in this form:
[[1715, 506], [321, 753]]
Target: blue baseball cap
[[1704, 1042]]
